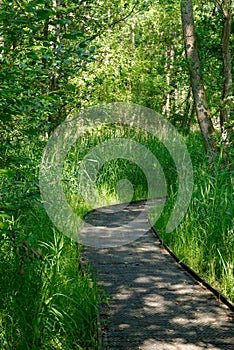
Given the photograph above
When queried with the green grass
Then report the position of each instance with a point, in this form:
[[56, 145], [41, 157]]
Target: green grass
[[47, 299], [49, 302], [205, 239], [115, 170]]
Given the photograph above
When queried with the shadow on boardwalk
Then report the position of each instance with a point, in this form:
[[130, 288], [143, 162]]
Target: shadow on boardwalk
[[154, 303]]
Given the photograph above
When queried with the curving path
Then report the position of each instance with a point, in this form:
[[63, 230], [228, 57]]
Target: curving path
[[154, 303]]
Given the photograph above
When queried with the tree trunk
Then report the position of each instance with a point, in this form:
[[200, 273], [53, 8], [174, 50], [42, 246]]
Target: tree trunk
[[227, 68], [170, 57], [199, 94], [55, 77], [189, 107]]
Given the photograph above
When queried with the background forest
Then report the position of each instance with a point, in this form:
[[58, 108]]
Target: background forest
[[60, 56]]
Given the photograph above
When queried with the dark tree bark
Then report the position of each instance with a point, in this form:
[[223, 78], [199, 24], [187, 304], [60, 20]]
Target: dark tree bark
[[227, 65], [199, 94], [189, 112]]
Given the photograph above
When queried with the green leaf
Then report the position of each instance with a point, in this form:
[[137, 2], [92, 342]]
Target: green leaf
[[44, 13], [69, 36], [32, 131], [7, 173], [4, 215], [92, 49], [3, 225]]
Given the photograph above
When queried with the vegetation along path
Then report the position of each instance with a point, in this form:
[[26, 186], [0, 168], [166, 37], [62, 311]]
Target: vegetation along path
[[154, 303]]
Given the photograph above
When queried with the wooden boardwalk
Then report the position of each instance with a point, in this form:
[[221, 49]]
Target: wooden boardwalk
[[154, 303]]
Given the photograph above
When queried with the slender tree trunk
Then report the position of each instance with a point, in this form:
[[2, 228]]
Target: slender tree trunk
[[188, 106], [170, 56], [55, 77], [227, 65], [199, 94], [45, 41]]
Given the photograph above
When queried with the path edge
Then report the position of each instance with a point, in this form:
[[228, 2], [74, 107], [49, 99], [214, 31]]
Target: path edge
[[218, 295]]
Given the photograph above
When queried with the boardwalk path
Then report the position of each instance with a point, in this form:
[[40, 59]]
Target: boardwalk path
[[154, 303]]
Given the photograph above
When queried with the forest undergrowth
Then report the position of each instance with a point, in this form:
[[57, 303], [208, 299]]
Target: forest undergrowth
[[48, 296], [57, 59], [47, 300], [204, 240]]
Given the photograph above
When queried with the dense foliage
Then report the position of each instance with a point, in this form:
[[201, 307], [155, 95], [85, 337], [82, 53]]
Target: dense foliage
[[57, 57]]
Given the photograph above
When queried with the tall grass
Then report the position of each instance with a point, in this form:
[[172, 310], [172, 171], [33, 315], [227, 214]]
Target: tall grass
[[47, 299], [115, 170], [205, 239]]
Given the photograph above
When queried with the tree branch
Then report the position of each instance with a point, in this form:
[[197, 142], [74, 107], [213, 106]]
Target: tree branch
[[112, 25], [124, 18]]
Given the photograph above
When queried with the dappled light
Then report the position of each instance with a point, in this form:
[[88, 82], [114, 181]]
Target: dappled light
[[116, 116], [154, 303]]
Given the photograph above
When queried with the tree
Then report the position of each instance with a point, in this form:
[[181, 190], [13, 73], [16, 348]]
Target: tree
[[200, 100], [226, 7]]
